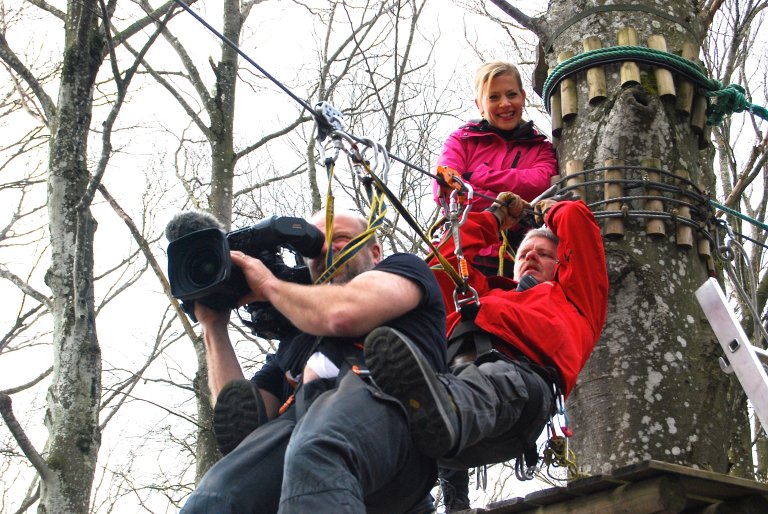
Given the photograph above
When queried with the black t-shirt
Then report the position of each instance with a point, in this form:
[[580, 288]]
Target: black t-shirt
[[424, 325]]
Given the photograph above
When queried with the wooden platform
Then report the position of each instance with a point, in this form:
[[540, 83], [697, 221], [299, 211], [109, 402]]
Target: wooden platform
[[644, 488]]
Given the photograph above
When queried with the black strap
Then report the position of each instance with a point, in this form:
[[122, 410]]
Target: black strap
[[307, 393], [468, 336]]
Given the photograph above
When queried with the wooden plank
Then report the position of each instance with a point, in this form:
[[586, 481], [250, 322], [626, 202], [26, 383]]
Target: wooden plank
[[654, 468], [747, 505], [686, 89], [510, 506], [654, 227], [699, 115], [575, 167], [613, 227], [684, 232], [549, 496], [593, 484], [556, 108], [665, 83], [653, 496]]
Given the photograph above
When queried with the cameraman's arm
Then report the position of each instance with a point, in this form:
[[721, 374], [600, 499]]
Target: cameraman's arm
[[351, 309], [223, 365]]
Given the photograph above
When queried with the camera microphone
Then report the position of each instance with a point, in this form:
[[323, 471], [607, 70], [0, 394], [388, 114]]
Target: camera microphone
[[526, 282], [190, 221]]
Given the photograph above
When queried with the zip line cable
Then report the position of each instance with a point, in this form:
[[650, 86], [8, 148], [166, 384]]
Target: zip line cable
[[329, 124], [245, 56]]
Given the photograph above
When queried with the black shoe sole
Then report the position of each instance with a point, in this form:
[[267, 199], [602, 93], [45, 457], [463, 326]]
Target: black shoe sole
[[239, 410], [400, 370]]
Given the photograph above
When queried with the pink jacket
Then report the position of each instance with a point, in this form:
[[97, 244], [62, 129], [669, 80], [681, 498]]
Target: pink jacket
[[523, 164], [493, 165]]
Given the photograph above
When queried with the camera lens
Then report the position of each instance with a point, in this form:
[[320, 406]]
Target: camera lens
[[204, 268]]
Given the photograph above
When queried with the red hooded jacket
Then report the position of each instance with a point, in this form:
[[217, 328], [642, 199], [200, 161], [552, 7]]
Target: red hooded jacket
[[555, 323]]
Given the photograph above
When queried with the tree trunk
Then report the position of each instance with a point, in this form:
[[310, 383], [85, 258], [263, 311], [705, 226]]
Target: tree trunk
[[74, 395], [222, 114], [652, 389], [220, 201]]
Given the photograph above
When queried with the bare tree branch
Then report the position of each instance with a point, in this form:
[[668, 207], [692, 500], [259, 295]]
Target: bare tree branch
[[519, 16], [266, 139], [42, 4], [31, 383], [10, 58], [193, 75], [6, 410], [708, 11], [122, 88], [142, 242], [25, 287]]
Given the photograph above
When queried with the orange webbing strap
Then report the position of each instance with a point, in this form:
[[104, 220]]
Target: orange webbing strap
[[329, 215], [288, 403]]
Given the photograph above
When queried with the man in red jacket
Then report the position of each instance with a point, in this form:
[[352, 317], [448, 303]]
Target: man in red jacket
[[527, 336]]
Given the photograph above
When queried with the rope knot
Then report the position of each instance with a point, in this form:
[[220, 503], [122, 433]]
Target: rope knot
[[730, 99]]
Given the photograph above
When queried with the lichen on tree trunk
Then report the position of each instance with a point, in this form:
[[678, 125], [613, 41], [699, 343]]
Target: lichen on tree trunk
[[652, 388]]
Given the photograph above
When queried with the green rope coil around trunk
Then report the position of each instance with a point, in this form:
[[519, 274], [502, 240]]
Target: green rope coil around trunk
[[730, 99]]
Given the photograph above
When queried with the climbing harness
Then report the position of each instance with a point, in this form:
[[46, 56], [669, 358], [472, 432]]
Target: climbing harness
[[456, 215]]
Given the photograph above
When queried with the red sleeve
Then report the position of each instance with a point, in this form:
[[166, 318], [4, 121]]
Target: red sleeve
[[582, 272]]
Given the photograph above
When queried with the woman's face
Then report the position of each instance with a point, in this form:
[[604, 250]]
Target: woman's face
[[503, 102]]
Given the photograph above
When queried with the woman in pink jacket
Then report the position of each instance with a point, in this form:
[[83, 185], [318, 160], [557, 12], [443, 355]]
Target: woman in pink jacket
[[500, 152]]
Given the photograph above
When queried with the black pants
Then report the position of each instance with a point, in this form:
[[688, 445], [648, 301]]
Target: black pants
[[351, 452], [503, 406]]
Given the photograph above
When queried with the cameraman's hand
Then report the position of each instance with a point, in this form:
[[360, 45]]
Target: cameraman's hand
[[210, 318], [257, 275], [508, 209]]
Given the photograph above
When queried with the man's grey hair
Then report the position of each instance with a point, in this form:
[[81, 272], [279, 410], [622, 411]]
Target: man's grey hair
[[539, 232]]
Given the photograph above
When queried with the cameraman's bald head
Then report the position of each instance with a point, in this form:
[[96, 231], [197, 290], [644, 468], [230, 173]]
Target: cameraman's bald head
[[346, 226]]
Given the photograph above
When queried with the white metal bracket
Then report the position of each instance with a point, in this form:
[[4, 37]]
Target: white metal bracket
[[749, 363]]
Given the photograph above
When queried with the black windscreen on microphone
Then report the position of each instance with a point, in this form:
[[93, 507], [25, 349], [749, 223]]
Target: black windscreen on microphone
[[526, 282], [190, 221]]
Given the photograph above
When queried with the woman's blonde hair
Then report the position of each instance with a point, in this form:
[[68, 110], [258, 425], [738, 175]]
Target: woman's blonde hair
[[490, 70]]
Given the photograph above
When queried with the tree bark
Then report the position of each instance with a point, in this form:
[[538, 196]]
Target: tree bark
[[221, 110], [652, 389], [74, 395]]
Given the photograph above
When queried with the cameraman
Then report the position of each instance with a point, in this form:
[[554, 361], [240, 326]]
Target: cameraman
[[341, 445]]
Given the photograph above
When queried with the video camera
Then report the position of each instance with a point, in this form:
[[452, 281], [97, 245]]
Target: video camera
[[200, 268]]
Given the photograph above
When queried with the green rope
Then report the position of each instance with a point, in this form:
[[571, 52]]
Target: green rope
[[729, 99], [739, 215]]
